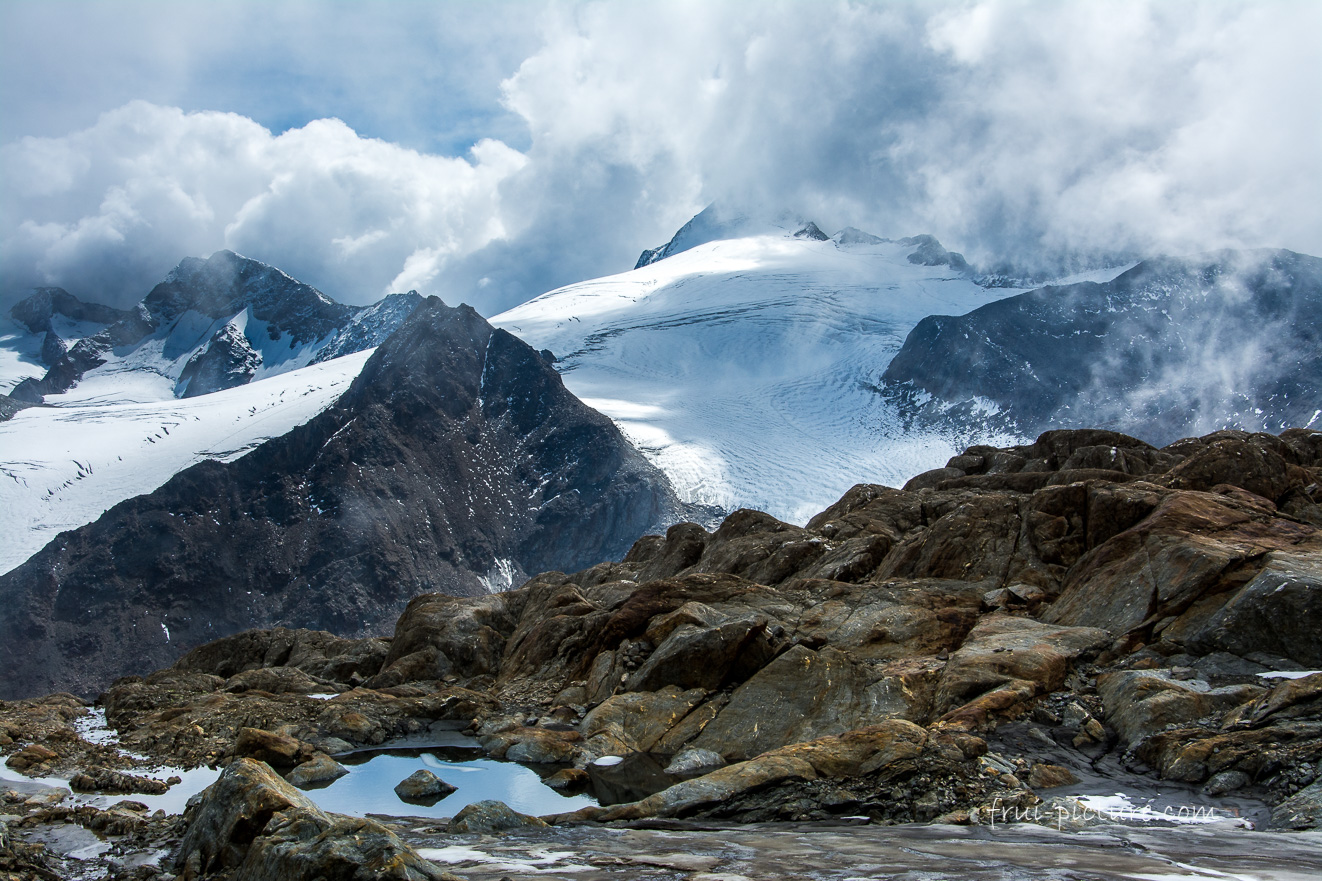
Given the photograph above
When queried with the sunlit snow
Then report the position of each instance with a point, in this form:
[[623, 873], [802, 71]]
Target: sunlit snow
[[745, 369], [121, 432]]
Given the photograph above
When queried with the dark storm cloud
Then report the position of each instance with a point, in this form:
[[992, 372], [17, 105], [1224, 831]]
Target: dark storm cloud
[[1010, 130]]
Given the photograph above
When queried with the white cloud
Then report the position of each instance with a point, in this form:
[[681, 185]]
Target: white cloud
[[107, 211], [1008, 129]]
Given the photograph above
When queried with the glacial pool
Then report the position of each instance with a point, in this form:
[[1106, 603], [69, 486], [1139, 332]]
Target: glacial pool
[[368, 788]]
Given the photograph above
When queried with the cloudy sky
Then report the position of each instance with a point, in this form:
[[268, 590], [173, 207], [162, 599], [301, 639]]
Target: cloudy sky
[[487, 152]]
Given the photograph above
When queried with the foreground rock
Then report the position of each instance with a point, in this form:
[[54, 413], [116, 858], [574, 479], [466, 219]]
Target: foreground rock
[[252, 823], [978, 642]]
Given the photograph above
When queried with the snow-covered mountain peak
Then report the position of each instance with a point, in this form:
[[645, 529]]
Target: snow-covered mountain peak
[[211, 324], [744, 366]]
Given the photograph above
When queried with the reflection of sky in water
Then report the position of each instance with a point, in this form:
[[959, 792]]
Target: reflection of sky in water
[[369, 788]]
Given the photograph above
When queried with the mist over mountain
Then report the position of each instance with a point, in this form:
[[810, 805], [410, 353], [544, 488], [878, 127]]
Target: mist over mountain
[[1172, 348]]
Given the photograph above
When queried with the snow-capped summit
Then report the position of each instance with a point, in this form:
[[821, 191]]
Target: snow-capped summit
[[744, 363], [215, 324]]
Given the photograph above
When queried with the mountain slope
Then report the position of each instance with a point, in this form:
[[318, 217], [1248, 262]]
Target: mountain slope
[[64, 466], [218, 323], [455, 462], [1169, 349], [745, 368], [39, 330]]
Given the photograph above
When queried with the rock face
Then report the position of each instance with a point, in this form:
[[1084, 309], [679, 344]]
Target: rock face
[[456, 462], [218, 323], [41, 312], [1173, 347]]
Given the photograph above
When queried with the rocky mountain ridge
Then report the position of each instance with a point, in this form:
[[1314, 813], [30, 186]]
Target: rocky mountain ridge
[[456, 461], [218, 323], [1170, 348]]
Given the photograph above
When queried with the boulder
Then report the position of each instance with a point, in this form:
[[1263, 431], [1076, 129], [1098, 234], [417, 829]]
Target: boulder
[[1278, 613], [31, 756], [490, 816], [806, 694], [423, 786], [115, 782], [1140, 703], [1047, 776], [318, 770], [847, 755], [705, 656], [539, 746], [634, 722], [567, 779], [277, 750], [256, 826], [1191, 548]]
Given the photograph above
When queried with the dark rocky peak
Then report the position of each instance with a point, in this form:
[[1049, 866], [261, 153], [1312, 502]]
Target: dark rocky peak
[[1170, 348], [929, 252], [810, 231], [853, 236], [371, 325], [35, 312], [708, 225], [455, 463], [226, 283], [227, 361]]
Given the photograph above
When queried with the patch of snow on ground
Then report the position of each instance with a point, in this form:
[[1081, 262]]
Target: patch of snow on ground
[[120, 434], [1290, 674], [745, 369], [1124, 808]]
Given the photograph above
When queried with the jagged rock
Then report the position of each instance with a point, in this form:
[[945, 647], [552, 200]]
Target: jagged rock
[[255, 825], [489, 817], [1303, 810], [317, 770], [423, 786], [228, 360]]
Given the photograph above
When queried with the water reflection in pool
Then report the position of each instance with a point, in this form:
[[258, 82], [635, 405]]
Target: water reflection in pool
[[369, 787]]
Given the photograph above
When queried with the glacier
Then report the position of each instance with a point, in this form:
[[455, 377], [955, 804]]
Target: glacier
[[745, 368]]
